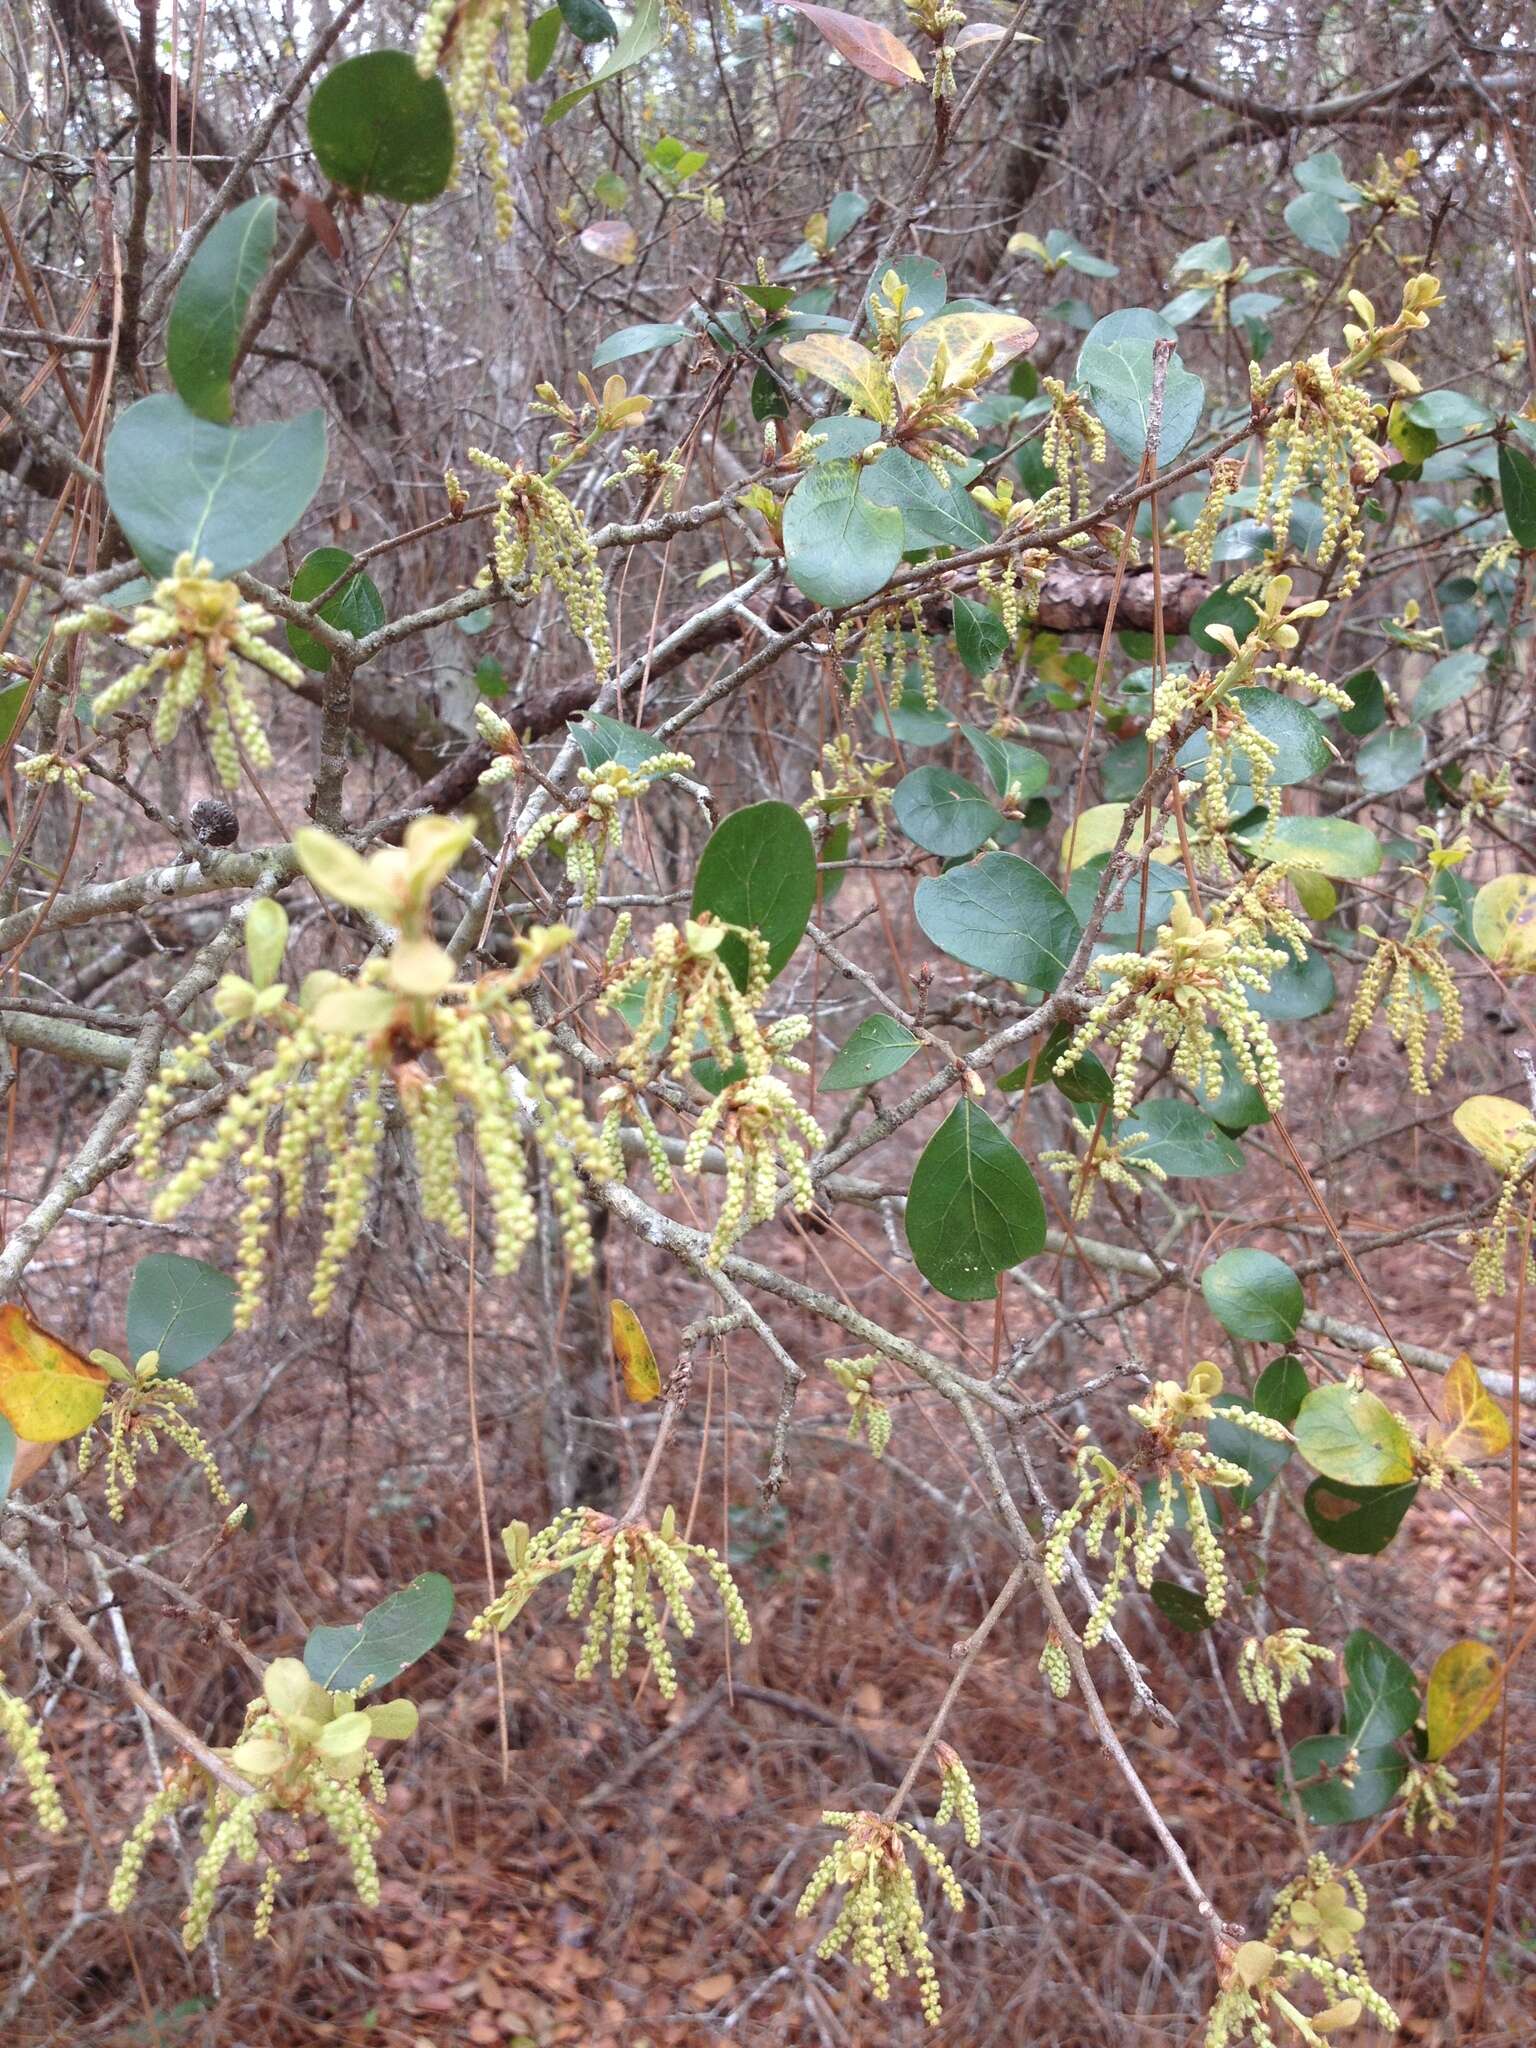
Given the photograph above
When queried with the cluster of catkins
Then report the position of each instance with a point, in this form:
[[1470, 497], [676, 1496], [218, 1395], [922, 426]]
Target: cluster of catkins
[[1311, 1941], [693, 1004], [140, 1406], [196, 629], [1171, 1461], [303, 1751], [448, 1050], [632, 1576]]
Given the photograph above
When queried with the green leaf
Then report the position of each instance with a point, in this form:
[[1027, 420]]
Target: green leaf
[[1239, 1105], [543, 38], [602, 738], [1119, 378], [1338, 1783], [7, 1456], [1186, 1610], [943, 813], [644, 34], [1517, 487], [1008, 765], [1130, 323], [839, 545], [1370, 703], [209, 308], [357, 607], [876, 1049], [1087, 1081], [981, 638], [638, 341], [1297, 992], [931, 516], [767, 400], [1381, 1694], [1318, 221], [927, 286], [589, 21], [377, 126], [1295, 732], [12, 699], [1391, 759], [1253, 1294], [1331, 846], [1261, 1457], [1224, 607], [1360, 1521], [973, 1210], [829, 878], [1448, 413], [1002, 916], [1324, 173], [179, 484], [1452, 678], [1282, 1387], [1350, 1434], [1185, 1143], [389, 1638], [181, 1308], [759, 868]]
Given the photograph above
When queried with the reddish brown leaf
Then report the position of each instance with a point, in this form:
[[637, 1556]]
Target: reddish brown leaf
[[865, 44]]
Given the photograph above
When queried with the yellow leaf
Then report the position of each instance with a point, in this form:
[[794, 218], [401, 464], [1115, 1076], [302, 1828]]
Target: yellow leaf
[[1502, 1131], [632, 1348], [1475, 1425], [849, 368], [964, 336], [1504, 922], [1463, 1692], [1095, 832], [47, 1391]]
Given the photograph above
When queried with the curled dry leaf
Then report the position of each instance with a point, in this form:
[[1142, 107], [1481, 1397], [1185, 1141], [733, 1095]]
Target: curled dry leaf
[[865, 44], [613, 240]]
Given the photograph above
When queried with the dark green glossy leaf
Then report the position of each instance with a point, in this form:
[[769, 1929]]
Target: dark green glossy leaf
[[1186, 1610], [1282, 1387], [377, 126], [1338, 1783], [357, 607], [1224, 607], [981, 638], [639, 341], [1087, 1081], [1381, 1696], [1370, 703], [1297, 991], [759, 868], [876, 1049], [589, 21], [1261, 1457], [973, 1209], [388, 1639], [1119, 376], [645, 33], [1008, 765], [543, 39], [767, 400], [1002, 916], [602, 738], [943, 813], [1301, 745], [1185, 1143], [931, 516], [209, 308], [1360, 1521], [1517, 487], [1253, 1295]]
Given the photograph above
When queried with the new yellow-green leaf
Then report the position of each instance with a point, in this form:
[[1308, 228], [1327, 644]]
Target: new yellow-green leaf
[[849, 368], [48, 1392], [1503, 1132], [1348, 1434], [1504, 922], [965, 336], [632, 1348], [1475, 1426], [1463, 1692]]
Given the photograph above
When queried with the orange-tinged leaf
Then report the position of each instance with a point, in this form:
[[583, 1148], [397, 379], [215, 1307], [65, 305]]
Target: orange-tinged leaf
[[47, 1391], [1463, 1691], [849, 368], [964, 336], [1475, 1425], [632, 1348], [865, 44]]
